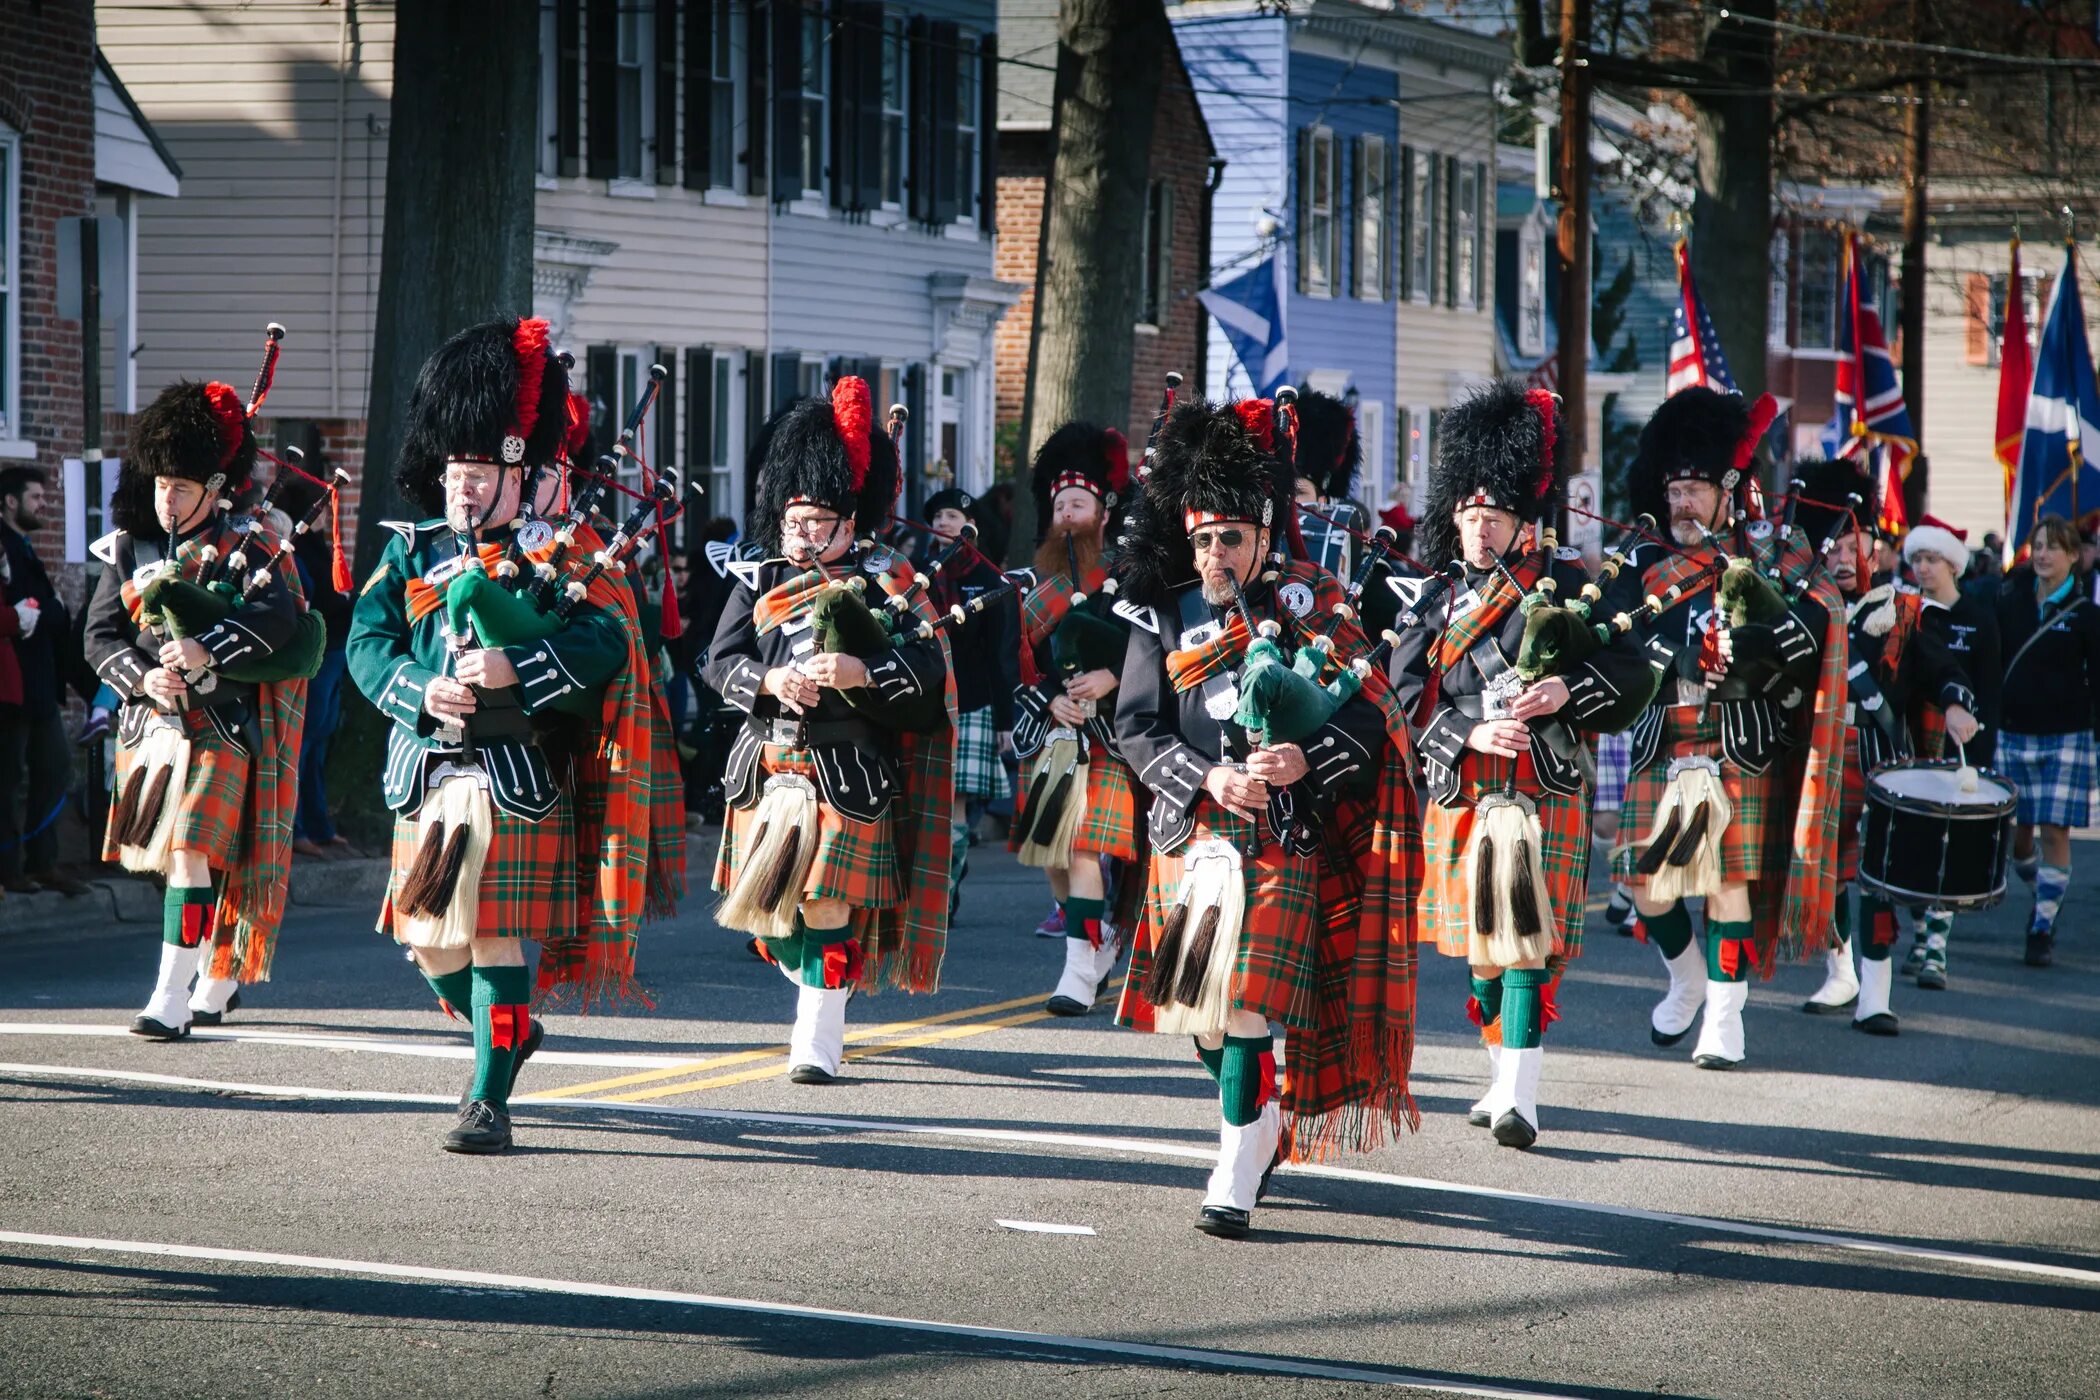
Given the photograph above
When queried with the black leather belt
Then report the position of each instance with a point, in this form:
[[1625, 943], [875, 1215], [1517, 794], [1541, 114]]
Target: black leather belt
[[801, 734]]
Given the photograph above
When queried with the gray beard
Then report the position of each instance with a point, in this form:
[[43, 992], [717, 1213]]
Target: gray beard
[[1686, 532], [1218, 595]]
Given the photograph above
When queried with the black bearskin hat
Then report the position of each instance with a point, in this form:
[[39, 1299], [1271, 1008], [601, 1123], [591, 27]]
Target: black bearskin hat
[[1825, 487], [1206, 466], [1264, 425], [1081, 454], [495, 392], [828, 452], [1697, 434], [1502, 446], [1329, 452], [191, 430]]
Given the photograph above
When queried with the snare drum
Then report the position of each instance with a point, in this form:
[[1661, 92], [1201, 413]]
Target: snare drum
[[1926, 843]]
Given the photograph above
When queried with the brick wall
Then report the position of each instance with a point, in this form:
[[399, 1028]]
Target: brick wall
[[47, 69]]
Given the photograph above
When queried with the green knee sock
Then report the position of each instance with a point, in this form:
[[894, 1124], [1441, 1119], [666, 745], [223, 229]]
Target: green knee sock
[[1487, 1000], [1877, 918], [1671, 930], [1213, 1060], [185, 917], [1246, 1077], [823, 957], [455, 991], [1083, 918], [501, 1023], [1523, 1007], [1729, 952]]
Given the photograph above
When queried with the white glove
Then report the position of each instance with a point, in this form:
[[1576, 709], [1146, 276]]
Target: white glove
[[26, 612]]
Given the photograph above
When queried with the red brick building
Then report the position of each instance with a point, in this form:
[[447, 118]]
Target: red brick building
[[1177, 219]]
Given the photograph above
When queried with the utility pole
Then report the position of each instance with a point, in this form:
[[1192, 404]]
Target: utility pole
[[1917, 157], [1574, 232]]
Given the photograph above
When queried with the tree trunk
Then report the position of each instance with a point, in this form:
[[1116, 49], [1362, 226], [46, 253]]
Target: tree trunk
[[459, 208], [1109, 60], [1732, 207]]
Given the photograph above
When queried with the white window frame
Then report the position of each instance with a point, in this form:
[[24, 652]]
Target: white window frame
[[1373, 168], [726, 426], [1421, 225], [969, 105], [1322, 277], [729, 43], [12, 444], [963, 467], [1466, 228], [1825, 329], [1531, 289], [813, 198], [630, 372], [547, 166], [1782, 289], [1370, 436], [896, 48], [643, 34]]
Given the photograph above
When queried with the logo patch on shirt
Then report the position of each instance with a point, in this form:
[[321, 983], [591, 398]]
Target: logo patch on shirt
[[1297, 596]]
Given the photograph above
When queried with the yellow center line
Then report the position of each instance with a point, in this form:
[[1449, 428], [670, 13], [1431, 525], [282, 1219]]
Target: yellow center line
[[746, 1056]]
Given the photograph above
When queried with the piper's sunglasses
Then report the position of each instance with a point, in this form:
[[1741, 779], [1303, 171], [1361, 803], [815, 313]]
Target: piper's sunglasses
[[1204, 540]]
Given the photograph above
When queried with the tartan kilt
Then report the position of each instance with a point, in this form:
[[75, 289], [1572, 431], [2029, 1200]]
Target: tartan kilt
[[528, 881], [1276, 972], [1614, 756], [1110, 823], [978, 771], [1445, 911], [1852, 805], [1689, 732], [856, 862], [2054, 775], [214, 794]]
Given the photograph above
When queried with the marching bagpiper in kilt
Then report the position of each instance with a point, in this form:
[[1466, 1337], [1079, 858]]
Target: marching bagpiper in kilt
[[1284, 849], [198, 624], [513, 670], [1078, 802], [1735, 767], [1506, 717], [1897, 665], [835, 850]]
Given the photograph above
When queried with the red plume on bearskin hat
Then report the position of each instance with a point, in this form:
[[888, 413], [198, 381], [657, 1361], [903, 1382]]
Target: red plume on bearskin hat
[[493, 393], [1696, 434], [1500, 446], [1207, 466], [1082, 455], [828, 452]]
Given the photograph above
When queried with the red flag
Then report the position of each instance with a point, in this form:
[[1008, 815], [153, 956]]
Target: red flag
[[2015, 378]]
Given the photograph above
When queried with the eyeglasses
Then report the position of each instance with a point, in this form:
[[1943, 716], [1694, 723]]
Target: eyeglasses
[[456, 476], [812, 527], [1205, 540]]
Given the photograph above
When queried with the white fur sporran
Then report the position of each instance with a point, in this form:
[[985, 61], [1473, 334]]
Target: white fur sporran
[[1190, 984], [1056, 801], [161, 769], [772, 870], [1682, 855], [437, 900]]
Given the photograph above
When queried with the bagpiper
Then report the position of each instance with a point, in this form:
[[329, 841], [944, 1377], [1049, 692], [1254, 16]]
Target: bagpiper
[[985, 649], [1324, 455], [1732, 793], [841, 785], [1898, 665], [1079, 800], [1505, 730], [514, 673], [198, 625], [1285, 852]]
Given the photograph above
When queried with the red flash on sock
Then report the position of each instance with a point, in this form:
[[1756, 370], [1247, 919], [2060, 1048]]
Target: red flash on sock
[[1881, 928], [1093, 932], [450, 1014], [508, 1026], [1549, 1002], [196, 922], [842, 963], [1265, 1066], [1735, 952], [1476, 1013]]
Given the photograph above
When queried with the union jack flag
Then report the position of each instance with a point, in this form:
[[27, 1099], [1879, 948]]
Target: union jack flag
[[1869, 412], [1695, 349]]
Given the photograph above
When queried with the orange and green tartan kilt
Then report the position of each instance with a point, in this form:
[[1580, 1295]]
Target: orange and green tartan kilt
[[1109, 826], [856, 862], [1445, 912], [1276, 972], [214, 794], [1852, 805], [1689, 732], [528, 880]]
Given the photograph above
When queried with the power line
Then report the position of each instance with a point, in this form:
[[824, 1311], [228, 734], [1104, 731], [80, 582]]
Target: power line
[[2013, 60]]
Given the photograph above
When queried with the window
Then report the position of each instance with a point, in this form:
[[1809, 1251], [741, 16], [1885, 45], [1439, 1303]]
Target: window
[[1156, 271], [548, 162], [1370, 218], [1408, 423], [1370, 434], [725, 63], [1821, 264], [815, 129], [896, 97], [1782, 282], [1531, 290], [10, 156], [2031, 292], [1421, 232], [1435, 420], [1466, 222], [634, 82], [725, 481], [968, 105], [633, 379], [1317, 236], [951, 427]]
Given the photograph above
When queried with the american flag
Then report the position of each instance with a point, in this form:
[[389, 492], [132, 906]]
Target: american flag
[[1695, 350]]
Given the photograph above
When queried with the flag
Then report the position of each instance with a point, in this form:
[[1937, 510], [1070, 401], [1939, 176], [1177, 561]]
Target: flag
[[1249, 309], [1695, 350], [2015, 378], [2056, 475], [1870, 416]]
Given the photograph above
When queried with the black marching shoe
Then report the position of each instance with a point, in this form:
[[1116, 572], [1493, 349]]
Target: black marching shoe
[[155, 1030], [213, 1018], [1880, 1023], [1512, 1131], [2041, 952], [533, 1038], [811, 1074], [1225, 1222], [483, 1129], [1261, 1190], [1065, 1006]]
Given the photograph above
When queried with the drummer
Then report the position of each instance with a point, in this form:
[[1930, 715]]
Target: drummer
[[1904, 662]]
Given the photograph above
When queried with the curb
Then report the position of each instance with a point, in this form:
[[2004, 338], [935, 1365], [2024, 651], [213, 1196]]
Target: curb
[[130, 900]]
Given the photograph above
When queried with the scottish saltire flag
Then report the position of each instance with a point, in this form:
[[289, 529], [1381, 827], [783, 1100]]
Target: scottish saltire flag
[[2057, 475], [1249, 309], [1870, 416], [2015, 378], [1695, 350]]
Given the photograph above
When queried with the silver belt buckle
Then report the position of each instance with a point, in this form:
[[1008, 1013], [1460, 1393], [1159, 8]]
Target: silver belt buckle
[[787, 733]]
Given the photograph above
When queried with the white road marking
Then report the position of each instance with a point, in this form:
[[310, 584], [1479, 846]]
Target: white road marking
[[518, 1283], [1096, 1142], [307, 1040], [1041, 1227]]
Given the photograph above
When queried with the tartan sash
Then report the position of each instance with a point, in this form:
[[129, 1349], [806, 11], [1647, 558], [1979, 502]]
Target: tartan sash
[[1195, 665], [1488, 614], [787, 598]]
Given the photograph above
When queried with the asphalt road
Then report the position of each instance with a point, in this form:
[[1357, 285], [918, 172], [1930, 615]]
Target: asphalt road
[[266, 1212]]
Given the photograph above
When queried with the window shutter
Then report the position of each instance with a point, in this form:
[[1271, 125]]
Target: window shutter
[[600, 89], [919, 119], [1163, 270], [755, 414], [786, 23], [1976, 319], [1450, 224], [787, 381], [867, 42], [568, 85], [1406, 241], [1356, 225], [700, 413], [667, 88], [946, 44], [1304, 230], [758, 106], [664, 453], [1395, 246], [699, 92], [915, 430], [1337, 213], [601, 379], [988, 136], [841, 110]]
